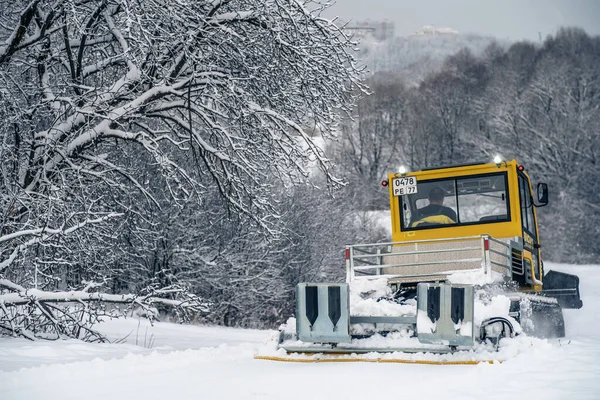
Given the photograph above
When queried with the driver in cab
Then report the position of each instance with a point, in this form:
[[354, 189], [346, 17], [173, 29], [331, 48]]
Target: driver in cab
[[435, 213]]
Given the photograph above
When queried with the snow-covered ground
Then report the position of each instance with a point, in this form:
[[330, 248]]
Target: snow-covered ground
[[180, 362]]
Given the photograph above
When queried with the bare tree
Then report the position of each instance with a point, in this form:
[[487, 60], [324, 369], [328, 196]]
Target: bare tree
[[545, 113], [371, 142]]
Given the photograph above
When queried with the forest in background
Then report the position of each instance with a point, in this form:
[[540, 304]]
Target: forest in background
[[180, 164], [539, 104]]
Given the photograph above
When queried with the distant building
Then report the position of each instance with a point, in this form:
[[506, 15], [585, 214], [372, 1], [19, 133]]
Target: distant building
[[429, 30], [380, 31]]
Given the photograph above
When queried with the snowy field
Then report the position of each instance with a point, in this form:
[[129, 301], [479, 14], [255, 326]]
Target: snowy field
[[171, 361]]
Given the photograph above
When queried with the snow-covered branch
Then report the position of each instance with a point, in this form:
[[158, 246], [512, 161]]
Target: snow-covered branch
[[31, 296], [18, 34], [43, 234]]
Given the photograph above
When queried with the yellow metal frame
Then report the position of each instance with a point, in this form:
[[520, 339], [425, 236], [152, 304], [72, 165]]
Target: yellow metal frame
[[508, 229]]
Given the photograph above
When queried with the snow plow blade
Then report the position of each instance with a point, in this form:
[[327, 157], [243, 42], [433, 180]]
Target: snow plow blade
[[563, 287]]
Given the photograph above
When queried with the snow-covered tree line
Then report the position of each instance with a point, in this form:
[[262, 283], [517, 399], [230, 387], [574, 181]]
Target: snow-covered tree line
[[414, 57], [156, 153], [539, 104]]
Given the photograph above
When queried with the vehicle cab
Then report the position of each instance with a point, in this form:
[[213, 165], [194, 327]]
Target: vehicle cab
[[492, 199]]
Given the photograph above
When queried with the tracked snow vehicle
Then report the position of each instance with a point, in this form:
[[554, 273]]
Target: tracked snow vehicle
[[462, 237]]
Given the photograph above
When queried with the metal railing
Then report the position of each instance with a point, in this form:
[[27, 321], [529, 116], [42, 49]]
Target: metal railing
[[433, 258]]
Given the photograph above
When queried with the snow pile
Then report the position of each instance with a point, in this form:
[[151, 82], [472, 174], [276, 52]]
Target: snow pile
[[475, 277], [373, 298], [497, 306], [373, 288], [289, 326], [370, 297], [424, 324]]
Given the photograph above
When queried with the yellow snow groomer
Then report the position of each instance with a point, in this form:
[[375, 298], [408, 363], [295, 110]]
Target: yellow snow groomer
[[459, 234]]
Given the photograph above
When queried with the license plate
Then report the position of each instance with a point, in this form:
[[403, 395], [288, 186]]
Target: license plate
[[403, 186]]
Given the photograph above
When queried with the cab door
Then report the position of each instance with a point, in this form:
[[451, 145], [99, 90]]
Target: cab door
[[531, 258]]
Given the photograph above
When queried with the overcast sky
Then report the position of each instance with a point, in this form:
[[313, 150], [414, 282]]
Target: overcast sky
[[506, 19]]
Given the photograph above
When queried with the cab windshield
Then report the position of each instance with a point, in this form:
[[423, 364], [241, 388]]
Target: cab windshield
[[456, 201]]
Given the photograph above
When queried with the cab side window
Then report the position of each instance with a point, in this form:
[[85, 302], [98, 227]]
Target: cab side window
[[526, 207]]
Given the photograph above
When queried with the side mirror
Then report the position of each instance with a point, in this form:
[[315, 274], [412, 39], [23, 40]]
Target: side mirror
[[542, 194]]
